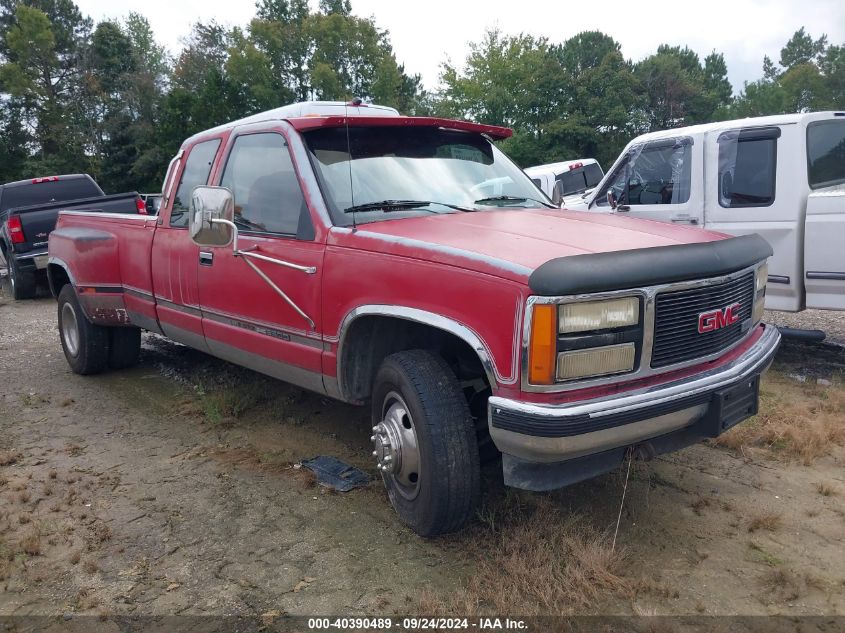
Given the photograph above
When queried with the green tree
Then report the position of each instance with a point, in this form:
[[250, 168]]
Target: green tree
[[679, 90], [802, 49], [810, 76], [41, 70]]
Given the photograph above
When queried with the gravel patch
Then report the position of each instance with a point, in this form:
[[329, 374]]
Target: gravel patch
[[830, 322]]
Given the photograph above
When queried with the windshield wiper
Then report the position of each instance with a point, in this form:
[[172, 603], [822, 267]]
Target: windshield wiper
[[398, 205], [513, 199]]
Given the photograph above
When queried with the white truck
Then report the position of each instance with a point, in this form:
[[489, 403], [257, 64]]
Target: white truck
[[780, 176], [567, 179]]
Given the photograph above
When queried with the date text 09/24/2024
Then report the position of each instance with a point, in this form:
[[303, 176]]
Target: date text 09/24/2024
[[417, 623]]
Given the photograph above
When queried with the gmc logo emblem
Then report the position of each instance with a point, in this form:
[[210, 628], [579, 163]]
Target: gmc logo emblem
[[717, 319]]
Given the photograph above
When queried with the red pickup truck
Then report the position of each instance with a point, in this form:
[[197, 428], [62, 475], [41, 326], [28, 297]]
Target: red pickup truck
[[405, 262]]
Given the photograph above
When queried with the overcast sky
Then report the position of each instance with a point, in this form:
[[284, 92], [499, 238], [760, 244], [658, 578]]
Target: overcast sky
[[427, 32]]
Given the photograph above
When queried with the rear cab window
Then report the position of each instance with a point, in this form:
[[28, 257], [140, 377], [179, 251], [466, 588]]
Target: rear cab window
[[46, 191], [826, 153], [196, 172], [748, 167], [580, 178], [658, 172]]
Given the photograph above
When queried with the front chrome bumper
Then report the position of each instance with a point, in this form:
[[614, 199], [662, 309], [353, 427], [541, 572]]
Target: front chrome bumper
[[555, 433]]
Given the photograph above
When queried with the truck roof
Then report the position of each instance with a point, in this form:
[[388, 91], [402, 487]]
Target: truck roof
[[758, 121], [313, 114], [35, 181], [560, 167]]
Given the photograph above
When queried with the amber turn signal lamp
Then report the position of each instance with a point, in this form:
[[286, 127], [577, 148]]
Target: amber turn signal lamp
[[543, 348]]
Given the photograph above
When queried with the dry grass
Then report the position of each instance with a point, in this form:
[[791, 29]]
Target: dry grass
[[782, 585], [826, 490], [75, 557], [90, 566], [767, 521], [7, 458], [532, 558], [797, 421], [24, 496], [31, 543]]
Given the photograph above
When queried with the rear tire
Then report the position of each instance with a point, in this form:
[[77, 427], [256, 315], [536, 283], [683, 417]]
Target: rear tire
[[124, 347], [22, 284], [86, 345], [423, 425]]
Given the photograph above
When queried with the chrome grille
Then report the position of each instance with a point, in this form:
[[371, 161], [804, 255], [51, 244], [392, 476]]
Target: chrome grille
[[676, 335]]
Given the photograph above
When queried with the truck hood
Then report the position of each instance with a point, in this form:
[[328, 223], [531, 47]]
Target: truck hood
[[513, 243]]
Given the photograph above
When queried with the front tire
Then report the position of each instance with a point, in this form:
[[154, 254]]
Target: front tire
[[425, 443], [86, 345]]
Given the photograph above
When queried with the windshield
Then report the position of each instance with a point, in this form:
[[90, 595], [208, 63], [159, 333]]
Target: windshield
[[449, 171]]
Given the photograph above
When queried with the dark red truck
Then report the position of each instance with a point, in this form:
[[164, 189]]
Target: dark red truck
[[406, 263]]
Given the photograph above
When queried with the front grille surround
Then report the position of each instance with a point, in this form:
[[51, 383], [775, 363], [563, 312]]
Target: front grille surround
[[649, 296]]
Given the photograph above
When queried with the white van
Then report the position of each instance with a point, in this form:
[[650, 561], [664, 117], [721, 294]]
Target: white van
[[567, 179], [780, 176]]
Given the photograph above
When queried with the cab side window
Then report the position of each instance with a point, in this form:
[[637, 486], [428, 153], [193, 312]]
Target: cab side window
[[197, 169], [268, 198], [748, 167], [654, 173]]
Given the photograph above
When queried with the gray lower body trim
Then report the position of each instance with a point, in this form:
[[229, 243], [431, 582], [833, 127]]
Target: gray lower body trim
[[143, 321], [310, 380], [186, 337]]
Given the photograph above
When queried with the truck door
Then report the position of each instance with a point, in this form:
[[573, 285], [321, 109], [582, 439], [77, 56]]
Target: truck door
[[755, 185], [824, 263], [659, 180], [174, 255], [261, 308]]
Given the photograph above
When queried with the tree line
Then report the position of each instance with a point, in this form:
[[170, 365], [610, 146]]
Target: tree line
[[109, 100]]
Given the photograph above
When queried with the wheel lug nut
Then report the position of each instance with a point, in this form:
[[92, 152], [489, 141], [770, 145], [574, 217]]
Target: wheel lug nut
[[372, 438], [375, 429], [375, 454]]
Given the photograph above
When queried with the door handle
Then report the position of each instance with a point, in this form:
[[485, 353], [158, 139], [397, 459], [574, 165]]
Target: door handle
[[206, 258], [684, 218]]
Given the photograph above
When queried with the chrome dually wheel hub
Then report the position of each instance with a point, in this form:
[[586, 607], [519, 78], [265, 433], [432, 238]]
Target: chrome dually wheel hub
[[395, 446], [70, 329]]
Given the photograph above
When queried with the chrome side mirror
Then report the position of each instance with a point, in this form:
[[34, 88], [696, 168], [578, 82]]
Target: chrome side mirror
[[211, 215]]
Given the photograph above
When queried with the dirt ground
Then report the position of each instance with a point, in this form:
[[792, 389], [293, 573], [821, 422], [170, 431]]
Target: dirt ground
[[170, 489]]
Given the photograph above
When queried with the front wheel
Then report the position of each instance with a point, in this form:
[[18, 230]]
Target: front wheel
[[425, 443], [86, 345]]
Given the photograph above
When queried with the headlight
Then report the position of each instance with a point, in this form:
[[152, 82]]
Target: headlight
[[761, 278], [597, 361], [549, 360], [598, 315]]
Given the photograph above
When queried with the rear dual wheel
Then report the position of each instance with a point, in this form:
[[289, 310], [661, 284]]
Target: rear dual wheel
[[89, 348], [425, 443]]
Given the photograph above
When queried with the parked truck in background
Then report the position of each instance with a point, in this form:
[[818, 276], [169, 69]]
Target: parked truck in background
[[28, 212], [567, 179], [346, 249], [780, 176]]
